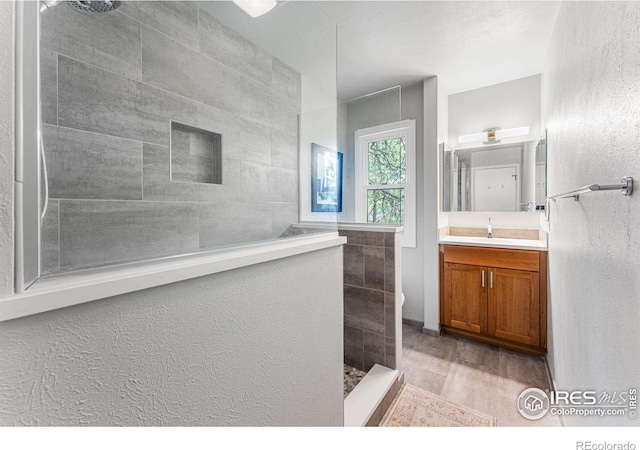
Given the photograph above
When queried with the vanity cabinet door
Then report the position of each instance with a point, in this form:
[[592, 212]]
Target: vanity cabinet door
[[465, 297], [514, 305]]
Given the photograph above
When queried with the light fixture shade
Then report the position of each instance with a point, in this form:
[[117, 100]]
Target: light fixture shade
[[256, 8], [493, 135], [512, 132], [476, 137]]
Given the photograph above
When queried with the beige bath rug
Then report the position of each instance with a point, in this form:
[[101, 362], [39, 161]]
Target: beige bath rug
[[414, 407]]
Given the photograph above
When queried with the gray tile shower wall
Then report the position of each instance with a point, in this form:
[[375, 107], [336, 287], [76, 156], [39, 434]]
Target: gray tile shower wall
[[49, 83], [158, 186], [231, 49], [95, 100], [178, 20], [111, 85], [94, 233], [369, 298], [84, 165], [49, 244], [92, 39]]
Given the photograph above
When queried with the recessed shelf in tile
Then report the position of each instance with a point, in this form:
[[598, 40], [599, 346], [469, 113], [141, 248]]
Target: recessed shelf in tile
[[196, 155]]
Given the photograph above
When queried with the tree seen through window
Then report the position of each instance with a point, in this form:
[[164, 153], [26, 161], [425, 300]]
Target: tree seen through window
[[386, 179]]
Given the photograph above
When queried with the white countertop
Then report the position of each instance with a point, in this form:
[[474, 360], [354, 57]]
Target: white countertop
[[521, 244]]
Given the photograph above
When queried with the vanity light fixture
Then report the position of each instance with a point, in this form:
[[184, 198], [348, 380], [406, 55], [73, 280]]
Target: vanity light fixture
[[493, 135], [255, 8]]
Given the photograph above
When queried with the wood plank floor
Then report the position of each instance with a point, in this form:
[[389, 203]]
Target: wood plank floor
[[480, 376]]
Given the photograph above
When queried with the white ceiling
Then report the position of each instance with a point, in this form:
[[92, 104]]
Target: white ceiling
[[468, 44]]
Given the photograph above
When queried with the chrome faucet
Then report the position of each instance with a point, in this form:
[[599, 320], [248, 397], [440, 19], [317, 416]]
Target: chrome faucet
[[489, 234]]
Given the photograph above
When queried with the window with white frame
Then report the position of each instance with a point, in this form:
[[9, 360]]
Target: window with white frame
[[386, 176]]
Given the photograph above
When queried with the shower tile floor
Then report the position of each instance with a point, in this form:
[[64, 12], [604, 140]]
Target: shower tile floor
[[352, 377]]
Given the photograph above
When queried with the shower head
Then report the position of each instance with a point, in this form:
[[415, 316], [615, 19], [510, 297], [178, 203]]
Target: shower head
[[83, 5], [95, 5]]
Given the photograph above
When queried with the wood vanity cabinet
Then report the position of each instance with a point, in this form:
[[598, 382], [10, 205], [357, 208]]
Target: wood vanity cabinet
[[495, 295]]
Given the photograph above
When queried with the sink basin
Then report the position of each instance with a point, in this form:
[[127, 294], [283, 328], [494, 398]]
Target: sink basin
[[524, 244]]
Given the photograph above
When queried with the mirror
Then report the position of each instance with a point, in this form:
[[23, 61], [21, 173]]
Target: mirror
[[500, 177]]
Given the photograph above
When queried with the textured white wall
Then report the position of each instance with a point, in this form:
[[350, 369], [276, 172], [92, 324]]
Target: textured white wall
[[591, 105], [6, 148], [256, 346]]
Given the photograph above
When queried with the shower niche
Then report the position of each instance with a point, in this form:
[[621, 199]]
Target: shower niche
[[196, 155]]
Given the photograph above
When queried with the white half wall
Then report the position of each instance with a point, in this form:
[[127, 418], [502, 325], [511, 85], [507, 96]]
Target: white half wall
[[256, 346], [591, 104], [6, 147]]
